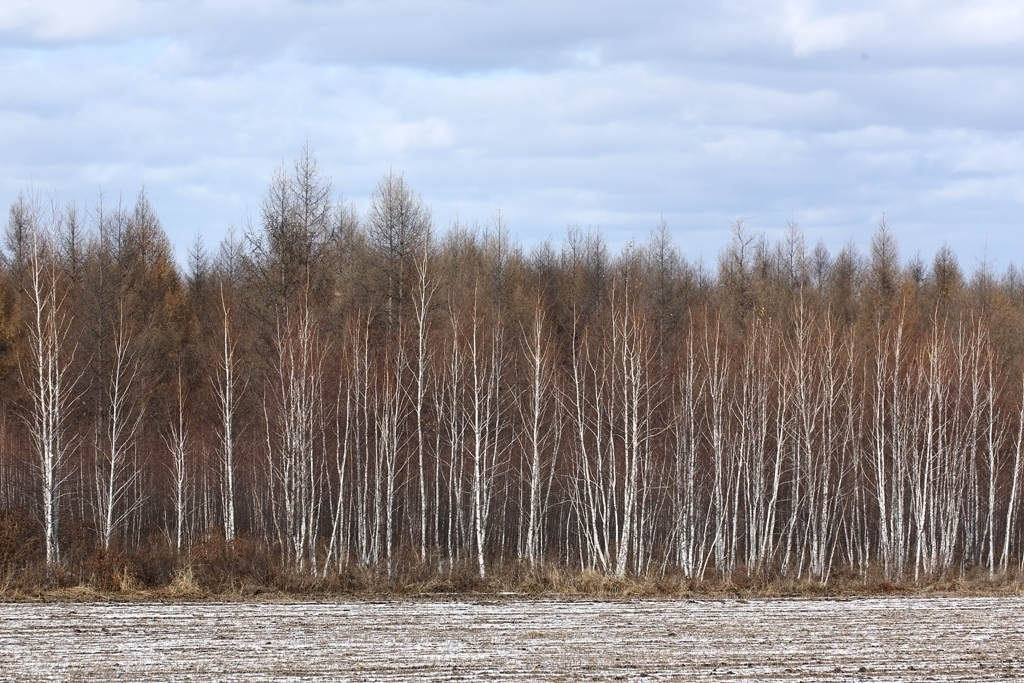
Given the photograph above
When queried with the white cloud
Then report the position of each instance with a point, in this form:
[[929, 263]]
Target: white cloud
[[811, 31], [983, 23], [595, 113]]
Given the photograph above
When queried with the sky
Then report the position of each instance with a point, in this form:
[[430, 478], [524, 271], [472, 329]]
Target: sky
[[608, 115]]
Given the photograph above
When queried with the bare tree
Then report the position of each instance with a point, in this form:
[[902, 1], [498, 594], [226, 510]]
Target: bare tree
[[1011, 508], [398, 223], [294, 440], [115, 469], [176, 438], [535, 407], [424, 294], [48, 377], [228, 390]]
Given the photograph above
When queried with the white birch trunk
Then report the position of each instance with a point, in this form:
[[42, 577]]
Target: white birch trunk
[[50, 386]]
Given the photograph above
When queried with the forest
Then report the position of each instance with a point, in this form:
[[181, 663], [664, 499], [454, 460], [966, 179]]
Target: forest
[[326, 395]]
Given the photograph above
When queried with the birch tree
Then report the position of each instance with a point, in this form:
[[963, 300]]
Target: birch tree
[[115, 468], [47, 377], [295, 442], [177, 438], [421, 303], [535, 406], [228, 390]]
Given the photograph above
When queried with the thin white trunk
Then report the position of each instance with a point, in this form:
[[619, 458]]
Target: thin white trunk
[[115, 468], [228, 395], [176, 440], [50, 386]]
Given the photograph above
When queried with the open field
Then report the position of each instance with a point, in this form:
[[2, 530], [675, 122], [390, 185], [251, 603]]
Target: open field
[[721, 640]]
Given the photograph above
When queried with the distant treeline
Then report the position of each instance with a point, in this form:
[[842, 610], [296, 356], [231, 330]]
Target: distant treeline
[[367, 391]]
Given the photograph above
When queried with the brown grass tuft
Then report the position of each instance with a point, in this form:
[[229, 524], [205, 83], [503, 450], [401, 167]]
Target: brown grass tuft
[[126, 581], [184, 585], [245, 569]]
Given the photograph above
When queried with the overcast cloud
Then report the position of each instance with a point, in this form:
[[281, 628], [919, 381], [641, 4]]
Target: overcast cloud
[[598, 113]]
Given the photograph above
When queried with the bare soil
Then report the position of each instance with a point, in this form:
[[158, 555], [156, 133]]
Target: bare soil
[[868, 639]]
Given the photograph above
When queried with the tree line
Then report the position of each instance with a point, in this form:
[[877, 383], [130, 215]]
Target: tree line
[[349, 390]]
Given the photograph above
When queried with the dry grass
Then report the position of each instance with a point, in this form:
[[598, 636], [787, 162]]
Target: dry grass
[[245, 570], [504, 583], [126, 581], [184, 585]]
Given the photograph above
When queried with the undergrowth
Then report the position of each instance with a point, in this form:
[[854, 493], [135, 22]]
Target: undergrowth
[[243, 569]]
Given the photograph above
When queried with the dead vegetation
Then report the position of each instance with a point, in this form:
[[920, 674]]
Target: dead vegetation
[[244, 569], [214, 578]]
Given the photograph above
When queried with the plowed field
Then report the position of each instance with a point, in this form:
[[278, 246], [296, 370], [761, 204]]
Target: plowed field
[[892, 639]]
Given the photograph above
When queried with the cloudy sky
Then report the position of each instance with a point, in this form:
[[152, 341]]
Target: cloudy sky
[[601, 113]]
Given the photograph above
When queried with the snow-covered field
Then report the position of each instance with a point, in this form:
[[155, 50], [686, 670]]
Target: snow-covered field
[[877, 639]]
